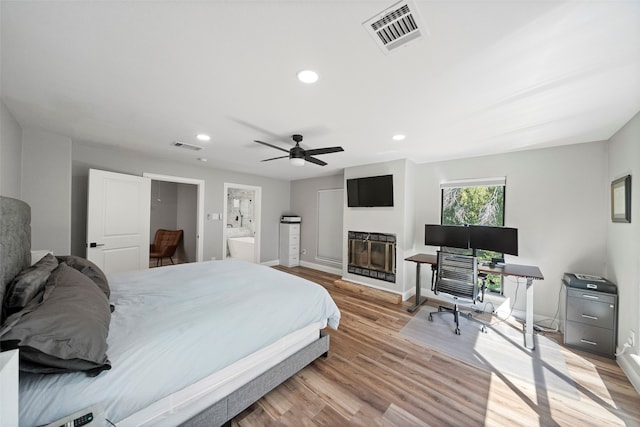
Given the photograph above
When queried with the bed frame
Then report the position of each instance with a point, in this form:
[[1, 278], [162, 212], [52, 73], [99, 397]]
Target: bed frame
[[15, 255], [239, 400]]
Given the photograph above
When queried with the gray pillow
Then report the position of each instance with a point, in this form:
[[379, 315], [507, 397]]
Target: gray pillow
[[67, 331], [89, 269], [28, 283]]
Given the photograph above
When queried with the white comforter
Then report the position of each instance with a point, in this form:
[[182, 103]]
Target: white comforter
[[175, 325]]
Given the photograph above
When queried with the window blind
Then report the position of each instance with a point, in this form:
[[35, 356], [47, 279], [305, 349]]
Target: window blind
[[476, 182]]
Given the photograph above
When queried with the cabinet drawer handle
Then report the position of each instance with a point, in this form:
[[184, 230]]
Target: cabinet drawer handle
[[590, 296], [588, 342], [590, 317]]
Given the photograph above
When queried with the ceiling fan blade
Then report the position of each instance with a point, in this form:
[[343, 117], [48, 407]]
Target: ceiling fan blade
[[275, 158], [325, 150], [308, 158], [271, 145]]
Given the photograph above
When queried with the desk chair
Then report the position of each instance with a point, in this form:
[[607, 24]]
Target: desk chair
[[164, 245], [457, 275]]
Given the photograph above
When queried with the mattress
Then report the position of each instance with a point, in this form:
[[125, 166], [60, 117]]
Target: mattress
[[179, 407], [176, 326]]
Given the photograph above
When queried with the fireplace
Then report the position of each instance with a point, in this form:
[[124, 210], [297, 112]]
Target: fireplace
[[372, 255]]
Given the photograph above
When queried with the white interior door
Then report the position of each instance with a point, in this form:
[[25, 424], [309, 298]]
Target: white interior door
[[118, 214]]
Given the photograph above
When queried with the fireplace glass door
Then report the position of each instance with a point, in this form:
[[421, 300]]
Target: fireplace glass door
[[372, 255]]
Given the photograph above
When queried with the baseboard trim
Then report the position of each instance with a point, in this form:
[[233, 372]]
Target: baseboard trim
[[271, 263], [367, 290], [630, 364], [321, 267]]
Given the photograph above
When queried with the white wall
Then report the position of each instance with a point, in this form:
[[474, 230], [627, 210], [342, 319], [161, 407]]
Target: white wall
[[623, 243], [411, 186], [164, 206], [275, 193], [392, 220], [10, 154], [186, 219], [53, 175], [304, 202], [556, 197], [46, 186]]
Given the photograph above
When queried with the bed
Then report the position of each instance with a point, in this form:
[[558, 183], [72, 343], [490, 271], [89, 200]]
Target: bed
[[191, 344]]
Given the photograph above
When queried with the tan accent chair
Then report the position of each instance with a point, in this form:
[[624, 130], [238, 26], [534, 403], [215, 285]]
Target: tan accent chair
[[164, 245]]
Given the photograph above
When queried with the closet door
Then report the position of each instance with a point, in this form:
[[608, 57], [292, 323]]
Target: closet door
[[329, 238], [118, 221]]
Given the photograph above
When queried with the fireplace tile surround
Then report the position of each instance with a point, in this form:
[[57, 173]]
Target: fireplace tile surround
[[372, 255]]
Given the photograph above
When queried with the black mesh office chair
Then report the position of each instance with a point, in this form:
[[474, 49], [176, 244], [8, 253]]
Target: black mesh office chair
[[457, 275]]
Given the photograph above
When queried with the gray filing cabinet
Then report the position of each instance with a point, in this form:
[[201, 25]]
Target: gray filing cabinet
[[290, 244], [591, 321]]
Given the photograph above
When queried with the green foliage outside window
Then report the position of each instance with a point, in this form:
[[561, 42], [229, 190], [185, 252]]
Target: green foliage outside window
[[473, 205], [482, 205]]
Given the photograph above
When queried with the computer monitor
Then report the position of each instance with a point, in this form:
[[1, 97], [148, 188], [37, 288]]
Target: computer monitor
[[452, 236], [497, 239]]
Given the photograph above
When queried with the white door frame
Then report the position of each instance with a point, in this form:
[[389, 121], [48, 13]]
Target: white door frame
[[199, 183], [257, 219]]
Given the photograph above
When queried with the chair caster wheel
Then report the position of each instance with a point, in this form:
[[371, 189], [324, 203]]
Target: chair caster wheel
[[457, 331], [430, 317], [483, 329]]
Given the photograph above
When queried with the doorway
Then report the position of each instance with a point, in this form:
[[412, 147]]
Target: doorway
[[241, 219], [184, 196]]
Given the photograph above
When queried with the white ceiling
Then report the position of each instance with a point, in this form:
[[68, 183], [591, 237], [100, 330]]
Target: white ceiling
[[488, 77]]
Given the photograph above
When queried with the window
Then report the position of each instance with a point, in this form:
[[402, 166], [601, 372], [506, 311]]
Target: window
[[475, 202]]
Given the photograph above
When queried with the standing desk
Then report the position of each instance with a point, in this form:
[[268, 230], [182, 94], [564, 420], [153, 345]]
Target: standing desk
[[529, 272]]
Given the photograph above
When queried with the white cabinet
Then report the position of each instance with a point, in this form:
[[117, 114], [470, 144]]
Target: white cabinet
[[9, 388], [289, 245]]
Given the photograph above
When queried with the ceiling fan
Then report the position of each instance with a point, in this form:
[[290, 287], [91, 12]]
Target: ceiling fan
[[298, 155]]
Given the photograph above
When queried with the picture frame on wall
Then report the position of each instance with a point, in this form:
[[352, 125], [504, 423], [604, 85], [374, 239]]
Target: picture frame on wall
[[621, 199]]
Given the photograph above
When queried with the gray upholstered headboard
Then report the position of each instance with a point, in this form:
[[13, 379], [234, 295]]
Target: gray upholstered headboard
[[15, 240]]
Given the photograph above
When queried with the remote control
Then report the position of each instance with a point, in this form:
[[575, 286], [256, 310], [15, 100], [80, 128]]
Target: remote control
[[93, 416]]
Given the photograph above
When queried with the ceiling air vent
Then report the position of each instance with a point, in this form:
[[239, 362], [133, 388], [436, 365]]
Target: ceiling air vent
[[395, 26], [186, 146]]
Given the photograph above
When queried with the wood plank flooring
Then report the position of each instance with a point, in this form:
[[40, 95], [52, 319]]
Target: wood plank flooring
[[375, 377]]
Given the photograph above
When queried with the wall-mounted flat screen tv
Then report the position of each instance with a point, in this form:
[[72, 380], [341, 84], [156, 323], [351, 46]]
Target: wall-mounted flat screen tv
[[369, 192], [451, 236]]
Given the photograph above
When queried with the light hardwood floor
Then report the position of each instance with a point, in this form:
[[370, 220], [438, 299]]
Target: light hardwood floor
[[375, 377]]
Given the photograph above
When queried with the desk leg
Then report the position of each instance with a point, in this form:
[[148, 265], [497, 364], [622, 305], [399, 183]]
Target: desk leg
[[528, 333], [419, 299]]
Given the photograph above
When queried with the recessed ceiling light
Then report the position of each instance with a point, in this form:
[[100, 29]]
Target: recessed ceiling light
[[203, 137], [202, 159], [308, 76], [399, 137]]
